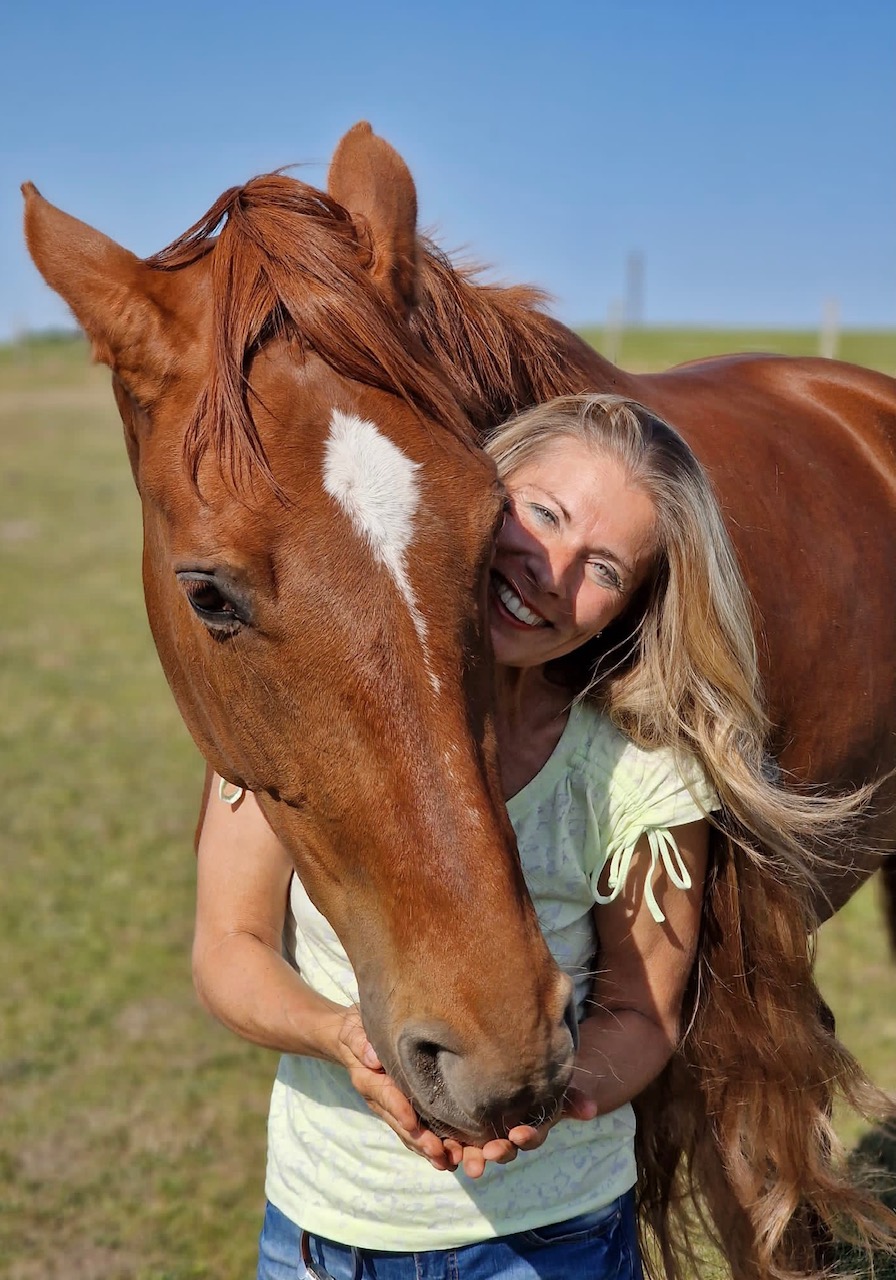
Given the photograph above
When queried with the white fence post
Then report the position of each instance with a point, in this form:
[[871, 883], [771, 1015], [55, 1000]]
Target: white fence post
[[829, 336], [613, 331]]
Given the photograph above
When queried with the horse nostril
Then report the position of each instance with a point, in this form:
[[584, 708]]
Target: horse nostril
[[421, 1058], [425, 1061], [480, 1093]]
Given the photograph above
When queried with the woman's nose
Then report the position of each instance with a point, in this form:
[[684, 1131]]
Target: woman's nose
[[550, 570]]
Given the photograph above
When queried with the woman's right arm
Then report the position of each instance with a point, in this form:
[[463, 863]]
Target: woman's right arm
[[239, 970], [241, 975]]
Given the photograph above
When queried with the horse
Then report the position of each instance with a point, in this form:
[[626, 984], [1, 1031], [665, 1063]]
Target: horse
[[304, 384]]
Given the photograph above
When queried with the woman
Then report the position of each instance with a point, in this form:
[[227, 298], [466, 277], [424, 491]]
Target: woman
[[624, 656]]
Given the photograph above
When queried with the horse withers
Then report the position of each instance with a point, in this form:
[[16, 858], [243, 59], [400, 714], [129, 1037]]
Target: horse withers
[[302, 381]]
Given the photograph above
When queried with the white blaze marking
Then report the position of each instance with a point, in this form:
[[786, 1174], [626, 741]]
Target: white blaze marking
[[376, 486]]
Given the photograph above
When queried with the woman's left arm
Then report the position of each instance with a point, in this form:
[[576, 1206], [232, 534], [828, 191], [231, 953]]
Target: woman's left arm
[[634, 1027]]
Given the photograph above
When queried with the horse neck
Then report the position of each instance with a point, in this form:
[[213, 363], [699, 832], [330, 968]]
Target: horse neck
[[496, 346]]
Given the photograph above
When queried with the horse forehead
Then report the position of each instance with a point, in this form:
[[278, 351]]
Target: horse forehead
[[375, 483]]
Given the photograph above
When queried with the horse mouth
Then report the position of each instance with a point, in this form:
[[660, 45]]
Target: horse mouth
[[479, 1135]]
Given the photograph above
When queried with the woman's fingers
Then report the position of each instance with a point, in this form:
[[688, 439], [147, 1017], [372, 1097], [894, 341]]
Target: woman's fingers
[[474, 1159], [387, 1101], [576, 1106], [353, 1037], [382, 1094], [525, 1137], [394, 1103], [419, 1140]]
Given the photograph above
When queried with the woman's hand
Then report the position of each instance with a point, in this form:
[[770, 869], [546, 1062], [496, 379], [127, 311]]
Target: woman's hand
[[383, 1095], [387, 1101], [576, 1106]]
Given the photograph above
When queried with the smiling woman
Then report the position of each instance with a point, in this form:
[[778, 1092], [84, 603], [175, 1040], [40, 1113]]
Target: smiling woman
[[631, 744]]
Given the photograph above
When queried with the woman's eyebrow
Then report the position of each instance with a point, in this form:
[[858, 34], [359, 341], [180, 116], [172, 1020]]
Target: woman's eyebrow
[[556, 501]]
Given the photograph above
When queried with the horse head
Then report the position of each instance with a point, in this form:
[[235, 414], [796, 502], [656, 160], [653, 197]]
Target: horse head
[[317, 533]]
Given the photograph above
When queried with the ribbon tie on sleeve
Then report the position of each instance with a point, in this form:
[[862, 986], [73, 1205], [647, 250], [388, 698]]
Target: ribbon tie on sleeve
[[663, 849]]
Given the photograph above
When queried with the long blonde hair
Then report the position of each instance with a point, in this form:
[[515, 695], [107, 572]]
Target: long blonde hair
[[740, 1120]]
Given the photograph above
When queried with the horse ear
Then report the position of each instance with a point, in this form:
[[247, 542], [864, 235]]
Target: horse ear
[[370, 179], [107, 288]]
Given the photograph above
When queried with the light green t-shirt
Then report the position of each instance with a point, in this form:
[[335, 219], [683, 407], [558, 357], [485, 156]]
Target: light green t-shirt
[[338, 1171]]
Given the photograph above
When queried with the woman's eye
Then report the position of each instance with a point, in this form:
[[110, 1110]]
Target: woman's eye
[[543, 514], [606, 573]]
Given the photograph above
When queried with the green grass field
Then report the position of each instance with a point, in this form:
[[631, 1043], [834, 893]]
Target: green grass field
[[132, 1133], [647, 350]]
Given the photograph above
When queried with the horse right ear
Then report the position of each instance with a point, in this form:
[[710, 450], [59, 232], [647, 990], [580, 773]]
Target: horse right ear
[[370, 179], [107, 288]]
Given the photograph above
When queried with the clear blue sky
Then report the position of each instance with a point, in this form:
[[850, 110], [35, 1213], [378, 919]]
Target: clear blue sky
[[748, 151]]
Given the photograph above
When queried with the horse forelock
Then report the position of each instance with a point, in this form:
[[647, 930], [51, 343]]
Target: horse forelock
[[288, 260]]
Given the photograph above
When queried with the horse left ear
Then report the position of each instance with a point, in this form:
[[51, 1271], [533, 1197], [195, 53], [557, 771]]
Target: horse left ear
[[370, 179]]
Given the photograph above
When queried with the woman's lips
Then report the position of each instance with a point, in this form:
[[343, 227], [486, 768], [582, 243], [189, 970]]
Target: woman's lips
[[512, 606]]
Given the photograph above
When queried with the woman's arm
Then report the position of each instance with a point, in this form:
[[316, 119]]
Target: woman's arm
[[241, 975], [633, 1027], [634, 1024], [239, 970]]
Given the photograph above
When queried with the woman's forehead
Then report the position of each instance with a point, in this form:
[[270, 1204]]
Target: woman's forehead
[[568, 459]]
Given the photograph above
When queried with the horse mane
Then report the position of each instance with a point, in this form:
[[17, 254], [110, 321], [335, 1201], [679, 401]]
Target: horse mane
[[495, 343], [286, 260]]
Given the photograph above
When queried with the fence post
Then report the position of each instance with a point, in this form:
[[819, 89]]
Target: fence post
[[829, 336], [613, 331]]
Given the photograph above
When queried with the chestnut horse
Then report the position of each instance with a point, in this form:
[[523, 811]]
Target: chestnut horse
[[302, 395]]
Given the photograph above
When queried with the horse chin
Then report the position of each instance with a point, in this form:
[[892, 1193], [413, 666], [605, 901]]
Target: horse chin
[[468, 1133]]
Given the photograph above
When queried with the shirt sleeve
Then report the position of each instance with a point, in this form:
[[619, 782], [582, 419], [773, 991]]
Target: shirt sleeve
[[649, 793]]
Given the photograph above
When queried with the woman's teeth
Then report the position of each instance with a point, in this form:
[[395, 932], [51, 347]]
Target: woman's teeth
[[514, 605]]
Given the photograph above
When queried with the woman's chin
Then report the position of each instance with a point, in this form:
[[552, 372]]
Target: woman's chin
[[511, 653]]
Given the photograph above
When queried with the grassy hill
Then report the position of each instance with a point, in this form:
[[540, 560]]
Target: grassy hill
[[650, 349]]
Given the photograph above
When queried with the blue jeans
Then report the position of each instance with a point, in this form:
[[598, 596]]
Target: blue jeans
[[593, 1246]]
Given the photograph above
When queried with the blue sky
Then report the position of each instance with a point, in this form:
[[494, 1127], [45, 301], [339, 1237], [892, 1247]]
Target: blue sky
[[748, 152]]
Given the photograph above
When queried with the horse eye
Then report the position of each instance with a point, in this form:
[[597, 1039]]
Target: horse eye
[[211, 604]]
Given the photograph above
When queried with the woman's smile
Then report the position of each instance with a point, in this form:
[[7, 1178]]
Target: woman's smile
[[510, 603]]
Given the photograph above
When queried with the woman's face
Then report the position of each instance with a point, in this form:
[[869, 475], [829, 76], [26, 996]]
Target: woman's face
[[577, 542]]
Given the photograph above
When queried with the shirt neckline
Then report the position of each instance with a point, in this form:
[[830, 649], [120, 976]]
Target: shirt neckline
[[556, 763]]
